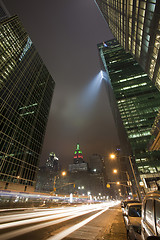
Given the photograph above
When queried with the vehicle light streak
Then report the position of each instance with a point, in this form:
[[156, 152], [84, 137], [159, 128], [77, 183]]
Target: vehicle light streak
[[41, 219], [31, 215], [68, 231], [62, 215], [43, 212]]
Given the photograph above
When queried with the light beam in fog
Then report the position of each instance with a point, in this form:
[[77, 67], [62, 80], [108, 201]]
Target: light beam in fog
[[90, 93]]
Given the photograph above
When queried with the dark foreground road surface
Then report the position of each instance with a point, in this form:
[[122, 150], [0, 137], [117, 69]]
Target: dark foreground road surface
[[92, 221]]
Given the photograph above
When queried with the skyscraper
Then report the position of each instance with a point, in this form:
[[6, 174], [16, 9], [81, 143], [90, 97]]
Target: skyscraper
[[138, 102], [136, 25], [79, 164], [26, 89], [78, 156], [53, 162]]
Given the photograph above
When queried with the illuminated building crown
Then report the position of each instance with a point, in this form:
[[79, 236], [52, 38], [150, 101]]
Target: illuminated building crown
[[78, 157]]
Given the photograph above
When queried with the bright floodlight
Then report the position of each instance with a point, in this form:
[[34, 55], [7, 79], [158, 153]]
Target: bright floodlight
[[101, 73], [115, 171]]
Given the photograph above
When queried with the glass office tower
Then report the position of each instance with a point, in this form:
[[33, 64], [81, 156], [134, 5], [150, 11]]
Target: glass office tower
[[136, 25], [26, 89], [138, 102]]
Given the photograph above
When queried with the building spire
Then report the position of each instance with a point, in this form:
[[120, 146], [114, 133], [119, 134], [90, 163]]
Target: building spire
[[78, 157]]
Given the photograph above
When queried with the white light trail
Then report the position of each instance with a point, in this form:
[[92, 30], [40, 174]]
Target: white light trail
[[62, 215], [43, 212], [68, 231]]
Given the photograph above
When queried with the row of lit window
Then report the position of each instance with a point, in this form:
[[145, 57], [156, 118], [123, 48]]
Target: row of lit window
[[22, 126], [147, 169], [9, 178], [21, 97], [154, 56], [25, 121], [16, 164], [10, 169], [21, 141], [137, 135], [20, 136], [17, 157]]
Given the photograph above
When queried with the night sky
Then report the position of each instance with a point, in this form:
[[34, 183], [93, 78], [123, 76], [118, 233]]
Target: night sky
[[66, 34]]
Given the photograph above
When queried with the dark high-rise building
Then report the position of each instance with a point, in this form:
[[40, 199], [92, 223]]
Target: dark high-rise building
[[96, 163], [3, 11], [136, 25], [26, 89], [53, 162], [138, 102]]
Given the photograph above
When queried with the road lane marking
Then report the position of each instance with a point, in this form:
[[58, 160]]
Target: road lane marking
[[72, 229], [22, 231]]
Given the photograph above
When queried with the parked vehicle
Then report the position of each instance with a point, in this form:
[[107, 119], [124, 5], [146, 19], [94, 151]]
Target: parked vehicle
[[132, 219], [125, 202], [150, 223]]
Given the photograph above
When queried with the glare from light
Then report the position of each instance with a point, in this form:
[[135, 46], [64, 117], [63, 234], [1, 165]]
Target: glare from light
[[101, 73], [112, 156], [115, 170], [64, 173], [141, 183]]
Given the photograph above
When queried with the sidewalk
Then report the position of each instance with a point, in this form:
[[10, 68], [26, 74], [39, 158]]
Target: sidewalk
[[118, 229]]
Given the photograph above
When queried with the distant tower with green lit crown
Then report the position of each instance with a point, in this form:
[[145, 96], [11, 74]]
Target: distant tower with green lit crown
[[78, 156], [78, 164]]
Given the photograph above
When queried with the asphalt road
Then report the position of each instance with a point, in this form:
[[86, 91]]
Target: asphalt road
[[77, 222]]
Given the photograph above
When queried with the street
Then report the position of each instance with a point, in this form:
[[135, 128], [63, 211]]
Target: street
[[73, 222]]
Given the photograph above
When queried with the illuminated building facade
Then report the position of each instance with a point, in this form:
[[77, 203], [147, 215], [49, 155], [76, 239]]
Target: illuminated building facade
[[136, 25], [78, 156], [154, 144], [26, 89], [138, 102], [79, 164]]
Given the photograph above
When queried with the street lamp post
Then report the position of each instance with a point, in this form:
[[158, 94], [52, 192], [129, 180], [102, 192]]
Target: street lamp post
[[137, 185], [112, 156], [128, 178], [63, 173]]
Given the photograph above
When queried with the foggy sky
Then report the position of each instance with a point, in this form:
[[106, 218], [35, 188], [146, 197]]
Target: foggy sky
[[66, 34]]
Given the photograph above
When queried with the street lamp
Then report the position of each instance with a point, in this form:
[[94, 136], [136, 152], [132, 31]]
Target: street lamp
[[113, 156], [128, 178], [63, 173]]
